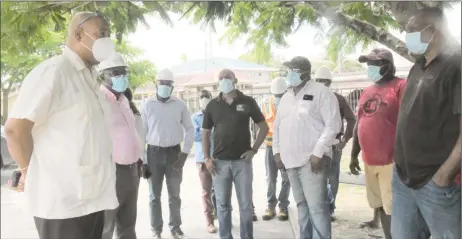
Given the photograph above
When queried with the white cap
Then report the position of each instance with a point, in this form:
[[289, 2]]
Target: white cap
[[278, 85], [116, 60], [165, 74], [323, 73]]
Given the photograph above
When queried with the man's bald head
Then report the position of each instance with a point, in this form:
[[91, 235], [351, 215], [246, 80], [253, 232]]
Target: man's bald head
[[430, 21], [85, 28]]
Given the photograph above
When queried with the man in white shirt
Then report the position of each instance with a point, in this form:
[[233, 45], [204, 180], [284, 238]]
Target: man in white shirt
[[307, 121], [168, 123], [58, 134]]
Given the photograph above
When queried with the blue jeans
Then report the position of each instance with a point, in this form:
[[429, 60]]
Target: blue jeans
[[310, 194], [240, 172], [160, 161], [333, 177], [429, 210], [271, 179]]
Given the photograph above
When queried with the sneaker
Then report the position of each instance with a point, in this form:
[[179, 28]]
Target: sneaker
[[211, 228], [177, 234], [283, 215], [269, 214], [255, 218]]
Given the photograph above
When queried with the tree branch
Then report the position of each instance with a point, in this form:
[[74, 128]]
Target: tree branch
[[362, 28]]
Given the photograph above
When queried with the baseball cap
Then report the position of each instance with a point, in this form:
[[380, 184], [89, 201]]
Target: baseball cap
[[298, 62], [377, 54], [116, 60], [165, 74]]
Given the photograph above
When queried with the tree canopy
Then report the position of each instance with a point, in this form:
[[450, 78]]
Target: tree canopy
[[269, 23]]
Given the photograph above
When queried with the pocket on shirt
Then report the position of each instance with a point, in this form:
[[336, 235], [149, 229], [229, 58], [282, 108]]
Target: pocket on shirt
[[88, 182], [305, 107]]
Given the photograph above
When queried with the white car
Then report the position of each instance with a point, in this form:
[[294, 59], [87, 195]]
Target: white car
[[6, 158]]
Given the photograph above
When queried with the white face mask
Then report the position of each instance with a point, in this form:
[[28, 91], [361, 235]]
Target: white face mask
[[203, 103], [102, 48]]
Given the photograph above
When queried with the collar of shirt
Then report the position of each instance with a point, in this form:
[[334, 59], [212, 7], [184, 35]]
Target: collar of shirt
[[170, 99], [239, 94], [447, 50], [79, 65], [306, 86], [111, 96]]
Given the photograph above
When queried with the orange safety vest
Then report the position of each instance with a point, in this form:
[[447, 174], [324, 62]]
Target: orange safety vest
[[269, 111]]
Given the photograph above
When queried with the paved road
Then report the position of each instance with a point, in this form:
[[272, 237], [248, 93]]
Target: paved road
[[16, 223]]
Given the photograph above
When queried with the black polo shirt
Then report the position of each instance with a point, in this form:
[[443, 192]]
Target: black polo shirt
[[428, 120], [230, 123]]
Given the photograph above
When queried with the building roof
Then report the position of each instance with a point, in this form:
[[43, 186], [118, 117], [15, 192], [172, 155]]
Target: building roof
[[203, 65], [210, 78]]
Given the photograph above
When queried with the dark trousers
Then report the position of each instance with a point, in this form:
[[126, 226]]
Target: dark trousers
[[89, 226], [123, 218], [160, 162]]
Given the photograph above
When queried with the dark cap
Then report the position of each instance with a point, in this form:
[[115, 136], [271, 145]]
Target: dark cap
[[299, 62], [376, 55]]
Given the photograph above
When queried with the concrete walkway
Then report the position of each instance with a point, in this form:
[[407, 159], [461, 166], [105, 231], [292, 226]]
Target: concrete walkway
[[16, 223]]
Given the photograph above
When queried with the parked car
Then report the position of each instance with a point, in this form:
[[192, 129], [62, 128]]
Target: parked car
[[6, 158]]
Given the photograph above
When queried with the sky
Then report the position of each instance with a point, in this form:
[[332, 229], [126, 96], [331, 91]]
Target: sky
[[165, 45]]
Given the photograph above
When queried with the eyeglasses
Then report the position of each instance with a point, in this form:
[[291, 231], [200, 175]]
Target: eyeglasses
[[298, 70]]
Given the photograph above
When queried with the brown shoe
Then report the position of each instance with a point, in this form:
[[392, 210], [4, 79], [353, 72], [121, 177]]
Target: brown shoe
[[269, 214], [211, 228], [283, 215]]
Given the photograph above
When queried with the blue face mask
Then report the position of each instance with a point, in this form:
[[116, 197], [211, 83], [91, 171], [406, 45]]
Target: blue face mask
[[373, 72], [119, 83], [293, 78], [414, 43], [226, 85], [164, 91]]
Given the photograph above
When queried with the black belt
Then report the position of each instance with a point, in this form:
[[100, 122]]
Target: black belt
[[127, 165], [158, 148]]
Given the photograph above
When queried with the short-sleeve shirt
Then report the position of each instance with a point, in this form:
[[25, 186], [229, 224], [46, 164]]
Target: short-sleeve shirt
[[377, 116], [429, 118], [71, 172], [231, 124]]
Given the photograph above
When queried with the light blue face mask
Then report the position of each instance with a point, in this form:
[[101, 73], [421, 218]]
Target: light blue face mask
[[119, 83], [226, 85], [414, 42], [373, 72], [164, 91], [293, 78]]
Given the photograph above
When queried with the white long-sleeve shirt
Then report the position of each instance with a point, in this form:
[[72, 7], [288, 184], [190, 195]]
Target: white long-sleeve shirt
[[306, 124], [167, 123]]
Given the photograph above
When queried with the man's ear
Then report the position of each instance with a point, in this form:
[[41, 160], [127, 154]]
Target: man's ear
[[235, 81], [78, 34]]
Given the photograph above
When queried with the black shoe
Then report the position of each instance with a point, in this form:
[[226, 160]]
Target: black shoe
[[283, 215], [177, 234], [157, 235], [254, 217]]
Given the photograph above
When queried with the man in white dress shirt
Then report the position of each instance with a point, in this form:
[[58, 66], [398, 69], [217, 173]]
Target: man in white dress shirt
[[168, 123], [307, 121], [58, 134]]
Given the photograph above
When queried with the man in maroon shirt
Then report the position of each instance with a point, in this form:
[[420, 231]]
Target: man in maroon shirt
[[375, 131]]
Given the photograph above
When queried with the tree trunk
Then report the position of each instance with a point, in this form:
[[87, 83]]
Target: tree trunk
[[5, 94], [363, 28]]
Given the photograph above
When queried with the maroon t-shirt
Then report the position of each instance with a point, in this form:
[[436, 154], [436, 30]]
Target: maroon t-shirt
[[377, 115]]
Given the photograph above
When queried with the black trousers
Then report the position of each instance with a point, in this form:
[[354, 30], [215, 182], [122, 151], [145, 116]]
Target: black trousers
[[86, 227]]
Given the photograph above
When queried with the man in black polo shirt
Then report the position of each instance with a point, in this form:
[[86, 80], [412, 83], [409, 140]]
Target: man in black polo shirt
[[229, 115], [426, 196]]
